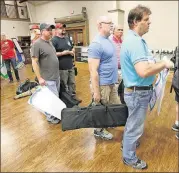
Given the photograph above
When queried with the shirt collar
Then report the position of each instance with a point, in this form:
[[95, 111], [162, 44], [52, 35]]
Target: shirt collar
[[47, 41], [137, 35], [116, 40], [105, 37]]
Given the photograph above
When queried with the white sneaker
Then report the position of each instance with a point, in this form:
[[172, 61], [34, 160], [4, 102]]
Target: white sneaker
[[53, 119], [103, 133], [140, 164]]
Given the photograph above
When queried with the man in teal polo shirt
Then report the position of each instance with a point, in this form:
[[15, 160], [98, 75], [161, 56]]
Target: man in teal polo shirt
[[138, 71]]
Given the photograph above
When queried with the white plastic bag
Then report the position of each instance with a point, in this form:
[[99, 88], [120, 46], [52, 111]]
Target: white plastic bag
[[46, 101], [158, 91], [3, 70]]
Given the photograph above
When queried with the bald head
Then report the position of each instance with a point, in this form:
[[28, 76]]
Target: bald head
[[104, 24], [105, 19]]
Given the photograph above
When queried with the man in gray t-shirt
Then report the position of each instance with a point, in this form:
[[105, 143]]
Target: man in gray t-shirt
[[45, 63]]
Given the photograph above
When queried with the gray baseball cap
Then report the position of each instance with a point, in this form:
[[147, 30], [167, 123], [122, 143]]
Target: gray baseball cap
[[46, 26]]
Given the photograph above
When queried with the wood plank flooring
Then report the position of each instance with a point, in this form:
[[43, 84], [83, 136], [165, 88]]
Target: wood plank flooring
[[30, 144]]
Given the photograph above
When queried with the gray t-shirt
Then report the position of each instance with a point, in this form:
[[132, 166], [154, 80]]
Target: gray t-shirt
[[48, 61]]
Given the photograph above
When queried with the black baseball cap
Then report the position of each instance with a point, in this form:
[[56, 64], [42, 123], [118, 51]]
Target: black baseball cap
[[46, 26]]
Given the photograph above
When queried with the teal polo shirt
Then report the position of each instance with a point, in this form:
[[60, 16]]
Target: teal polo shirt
[[133, 50]]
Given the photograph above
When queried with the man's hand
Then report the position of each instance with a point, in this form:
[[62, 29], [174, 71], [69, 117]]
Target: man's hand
[[42, 82], [168, 64], [73, 50], [66, 52], [71, 53], [97, 97]]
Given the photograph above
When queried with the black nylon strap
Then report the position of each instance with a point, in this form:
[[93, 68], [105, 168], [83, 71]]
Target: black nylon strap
[[141, 87]]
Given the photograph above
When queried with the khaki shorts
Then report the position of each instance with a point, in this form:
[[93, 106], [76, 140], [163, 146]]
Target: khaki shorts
[[109, 94]]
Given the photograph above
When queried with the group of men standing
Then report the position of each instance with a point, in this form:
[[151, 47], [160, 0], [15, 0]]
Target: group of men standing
[[110, 60], [138, 73], [52, 61]]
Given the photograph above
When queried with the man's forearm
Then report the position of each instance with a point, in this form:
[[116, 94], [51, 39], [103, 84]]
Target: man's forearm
[[15, 54], [59, 54], [153, 69], [65, 52], [36, 68], [95, 82]]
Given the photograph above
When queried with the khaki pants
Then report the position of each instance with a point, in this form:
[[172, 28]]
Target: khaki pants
[[109, 94], [67, 77]]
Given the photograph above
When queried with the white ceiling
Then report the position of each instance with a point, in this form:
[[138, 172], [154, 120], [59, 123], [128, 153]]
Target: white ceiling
[[38, 2]]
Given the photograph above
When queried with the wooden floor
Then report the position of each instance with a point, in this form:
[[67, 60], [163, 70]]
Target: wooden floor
[[30, 144]]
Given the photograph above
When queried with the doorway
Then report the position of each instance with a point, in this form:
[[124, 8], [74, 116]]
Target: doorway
[[77, 35]]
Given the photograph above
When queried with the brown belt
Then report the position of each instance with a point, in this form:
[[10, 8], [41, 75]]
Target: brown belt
[[128, 89]]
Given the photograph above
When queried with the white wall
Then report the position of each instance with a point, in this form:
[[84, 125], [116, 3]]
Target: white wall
[[58, 9], [15, 28], [163, 33]]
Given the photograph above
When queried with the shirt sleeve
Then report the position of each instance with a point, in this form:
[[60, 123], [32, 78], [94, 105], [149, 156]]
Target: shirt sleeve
[[95, 51], [35, 51], [138, 52]]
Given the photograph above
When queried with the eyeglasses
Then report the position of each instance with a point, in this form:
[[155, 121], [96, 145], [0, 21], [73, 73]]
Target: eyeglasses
[[108, 23], [120, 29]]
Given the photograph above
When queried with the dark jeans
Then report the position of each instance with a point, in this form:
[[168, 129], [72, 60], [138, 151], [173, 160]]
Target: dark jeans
[[176, 95], [8, 63], [67, 78], [121, 92]]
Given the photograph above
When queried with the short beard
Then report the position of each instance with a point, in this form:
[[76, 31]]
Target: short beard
[[63, 33]]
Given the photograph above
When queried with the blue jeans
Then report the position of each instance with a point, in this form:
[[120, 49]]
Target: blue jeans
[[137, 103], [54, 86], [8, 63]]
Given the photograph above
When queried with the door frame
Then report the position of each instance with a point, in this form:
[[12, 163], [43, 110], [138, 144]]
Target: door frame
[[83, 28]]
